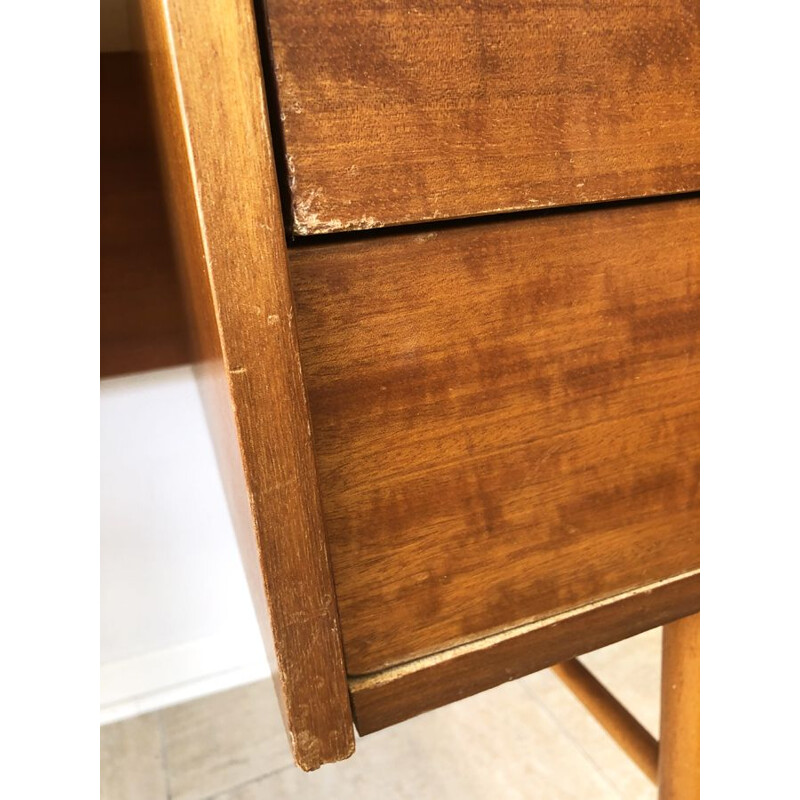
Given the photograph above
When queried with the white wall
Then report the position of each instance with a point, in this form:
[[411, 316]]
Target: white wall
[[176, 619]]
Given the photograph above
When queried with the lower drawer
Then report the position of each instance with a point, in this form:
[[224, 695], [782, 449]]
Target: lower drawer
[[505, 418]]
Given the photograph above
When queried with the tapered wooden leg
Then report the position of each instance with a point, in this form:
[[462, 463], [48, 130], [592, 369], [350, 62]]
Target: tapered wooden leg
[[679, 751]]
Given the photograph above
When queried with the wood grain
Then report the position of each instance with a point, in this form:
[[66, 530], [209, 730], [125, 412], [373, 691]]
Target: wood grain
[[401, 692], [142, 321], [406, 111], [204, 64], [505, 418], [679, 762]]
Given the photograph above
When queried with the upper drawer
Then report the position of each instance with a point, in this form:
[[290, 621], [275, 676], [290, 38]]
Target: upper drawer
[[408, 110]]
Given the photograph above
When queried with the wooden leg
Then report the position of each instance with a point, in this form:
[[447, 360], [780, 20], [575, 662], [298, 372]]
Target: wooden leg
[[679, 751], [619, 723]]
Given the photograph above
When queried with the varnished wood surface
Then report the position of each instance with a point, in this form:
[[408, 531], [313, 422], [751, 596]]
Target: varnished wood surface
[[407, 111], [618, 722], [505, 419], [142, 321], [401, 692], [204, 63], [679, 763]]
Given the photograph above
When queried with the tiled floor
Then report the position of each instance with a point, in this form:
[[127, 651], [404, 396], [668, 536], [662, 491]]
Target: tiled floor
[[526, 739]]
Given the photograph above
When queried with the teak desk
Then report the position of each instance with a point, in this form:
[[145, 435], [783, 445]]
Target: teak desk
[[442, 261]]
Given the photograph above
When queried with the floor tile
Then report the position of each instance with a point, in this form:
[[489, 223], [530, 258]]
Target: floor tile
[[631, 671], [131, 766], [224, 740], [526, 739], [499, 744]]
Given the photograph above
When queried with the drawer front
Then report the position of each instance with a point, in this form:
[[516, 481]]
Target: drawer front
[[395, 112], [505, 418]]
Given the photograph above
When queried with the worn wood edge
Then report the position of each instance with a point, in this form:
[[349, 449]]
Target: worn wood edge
[[171, 33], [493, 640], [305, 219], [439, 224], [406, 690], [303, 232]]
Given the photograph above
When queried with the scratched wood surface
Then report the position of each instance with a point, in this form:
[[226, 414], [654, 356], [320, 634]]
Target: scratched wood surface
[[142, 322], [204, 67], [401, 111], [505, 418]]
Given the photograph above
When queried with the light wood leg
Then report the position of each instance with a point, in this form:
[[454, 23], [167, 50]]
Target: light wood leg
[[679, 751], [619, 723]]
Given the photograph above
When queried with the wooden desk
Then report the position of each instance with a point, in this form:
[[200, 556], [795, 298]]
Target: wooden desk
[[464, 446]]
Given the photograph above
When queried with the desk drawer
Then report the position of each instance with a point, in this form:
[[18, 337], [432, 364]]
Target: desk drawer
[[505, 419], [396, 112]]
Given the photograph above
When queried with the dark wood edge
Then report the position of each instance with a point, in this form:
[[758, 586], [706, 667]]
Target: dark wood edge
[[205, 75], [393, 695], [143, 324]]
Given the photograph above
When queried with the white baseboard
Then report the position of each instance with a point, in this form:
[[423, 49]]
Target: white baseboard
[[167, 677]]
